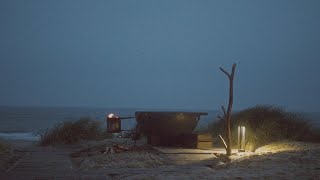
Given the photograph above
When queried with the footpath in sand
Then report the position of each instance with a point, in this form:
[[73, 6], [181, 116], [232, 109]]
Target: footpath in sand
[[57, 163], [283, 160]]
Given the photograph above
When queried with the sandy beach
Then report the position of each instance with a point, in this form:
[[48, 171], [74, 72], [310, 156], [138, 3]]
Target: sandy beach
[[104, 160]]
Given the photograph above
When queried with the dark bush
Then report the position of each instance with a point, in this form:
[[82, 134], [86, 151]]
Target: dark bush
[[265, 124], [69, 132], [4, 147]]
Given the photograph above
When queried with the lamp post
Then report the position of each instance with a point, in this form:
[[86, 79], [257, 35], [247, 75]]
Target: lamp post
[[241, 138]]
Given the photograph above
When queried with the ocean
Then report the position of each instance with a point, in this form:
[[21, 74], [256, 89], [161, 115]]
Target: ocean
[[28, 123]]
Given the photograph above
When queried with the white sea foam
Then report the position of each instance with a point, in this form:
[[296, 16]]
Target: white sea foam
[[30, 136]]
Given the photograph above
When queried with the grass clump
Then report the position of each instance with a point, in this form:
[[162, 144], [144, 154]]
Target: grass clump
[[265, 124], [70, 132], [4, 147], [6, 156]]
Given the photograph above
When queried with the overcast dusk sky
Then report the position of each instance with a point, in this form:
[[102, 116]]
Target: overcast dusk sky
[[159, 54]]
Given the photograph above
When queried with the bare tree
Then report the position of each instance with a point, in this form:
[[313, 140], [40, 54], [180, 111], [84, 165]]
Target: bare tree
[[227, 114]]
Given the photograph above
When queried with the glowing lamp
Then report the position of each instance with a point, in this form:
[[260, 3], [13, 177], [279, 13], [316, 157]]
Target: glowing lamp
[[241, 138], [113, 124]]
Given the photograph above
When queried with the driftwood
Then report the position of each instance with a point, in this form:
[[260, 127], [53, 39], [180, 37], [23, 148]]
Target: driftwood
[[223, 141], [227, 113], [102, 149]]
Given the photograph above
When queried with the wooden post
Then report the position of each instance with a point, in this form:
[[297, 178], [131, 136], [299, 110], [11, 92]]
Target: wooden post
[[227, 114]]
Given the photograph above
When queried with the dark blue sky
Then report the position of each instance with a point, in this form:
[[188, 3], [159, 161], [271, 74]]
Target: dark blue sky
[[159, 54]]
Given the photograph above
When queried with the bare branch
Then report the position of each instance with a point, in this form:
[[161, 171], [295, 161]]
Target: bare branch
[[224, 71], [233, 70], [224, 111], [220, 118], [224, 142]]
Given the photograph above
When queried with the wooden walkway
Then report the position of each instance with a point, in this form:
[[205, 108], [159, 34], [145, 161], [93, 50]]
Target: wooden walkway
[[182, 156], [55, 163], [42, 163]]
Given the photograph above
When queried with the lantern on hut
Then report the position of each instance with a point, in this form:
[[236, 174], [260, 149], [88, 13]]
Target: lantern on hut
[[113, 124], [241, 138]]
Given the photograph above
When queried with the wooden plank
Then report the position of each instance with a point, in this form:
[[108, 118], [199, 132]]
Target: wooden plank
[[204, 145], [163, 169], [182, 151], [168, 150], [204, 137]]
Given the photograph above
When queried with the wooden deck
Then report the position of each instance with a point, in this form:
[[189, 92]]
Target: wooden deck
[[183, 156], [166, 150], [55, 163]]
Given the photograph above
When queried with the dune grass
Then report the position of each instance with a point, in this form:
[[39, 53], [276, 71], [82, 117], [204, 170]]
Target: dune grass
[[70, 132], [4, 147], [6, 156], [265, 124]]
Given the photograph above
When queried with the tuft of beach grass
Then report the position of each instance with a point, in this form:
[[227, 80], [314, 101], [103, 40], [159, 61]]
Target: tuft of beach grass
[[69, 132]]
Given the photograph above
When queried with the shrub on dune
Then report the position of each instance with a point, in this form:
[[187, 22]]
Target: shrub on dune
[[265, 124], [69, 132], [4, 147]]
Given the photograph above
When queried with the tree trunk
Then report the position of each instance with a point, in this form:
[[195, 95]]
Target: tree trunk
[[227, 114]]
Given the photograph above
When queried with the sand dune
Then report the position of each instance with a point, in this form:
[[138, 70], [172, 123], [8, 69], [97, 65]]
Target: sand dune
[[281, 160]]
